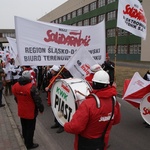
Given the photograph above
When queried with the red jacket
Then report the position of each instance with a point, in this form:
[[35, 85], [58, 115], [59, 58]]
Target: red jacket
[[89, 121], [51, 82], [26, 105]]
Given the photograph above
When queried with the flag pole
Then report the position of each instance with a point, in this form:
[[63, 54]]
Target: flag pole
[[60, 71], [115, 50]]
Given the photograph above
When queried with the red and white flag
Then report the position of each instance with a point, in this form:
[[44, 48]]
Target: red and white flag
[[79, 64], [131, 17], [136, 89], [13, 50]]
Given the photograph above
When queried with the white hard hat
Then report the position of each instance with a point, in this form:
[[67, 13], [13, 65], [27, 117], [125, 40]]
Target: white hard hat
[[26, 74], [95, 68], [101, 77], [55, 68]]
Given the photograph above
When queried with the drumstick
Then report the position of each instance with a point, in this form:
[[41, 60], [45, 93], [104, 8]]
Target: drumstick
[[80, 93], [56, 76]]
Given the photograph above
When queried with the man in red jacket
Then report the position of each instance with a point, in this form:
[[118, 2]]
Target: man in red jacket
[[29, 103], [55, 76], [93, 69], [93, 115]]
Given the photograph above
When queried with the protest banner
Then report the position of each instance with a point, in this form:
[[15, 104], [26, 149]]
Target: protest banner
[[43, 44]]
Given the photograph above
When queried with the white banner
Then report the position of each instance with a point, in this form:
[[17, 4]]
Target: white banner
[[53, 44], [79, 64], [131, 17]]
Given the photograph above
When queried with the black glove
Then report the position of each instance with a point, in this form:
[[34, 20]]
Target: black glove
[[41, 108]]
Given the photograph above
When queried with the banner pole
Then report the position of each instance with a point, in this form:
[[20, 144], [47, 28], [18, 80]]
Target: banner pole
[[116, 44]]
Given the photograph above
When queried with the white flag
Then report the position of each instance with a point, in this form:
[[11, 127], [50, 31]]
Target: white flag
[[13, 50], [79, 64], [131, 17]]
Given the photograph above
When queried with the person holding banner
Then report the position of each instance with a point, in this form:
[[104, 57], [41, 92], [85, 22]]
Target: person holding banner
[[55, 75], [54, 70], [29, 104], [93, 69], [95, 116]]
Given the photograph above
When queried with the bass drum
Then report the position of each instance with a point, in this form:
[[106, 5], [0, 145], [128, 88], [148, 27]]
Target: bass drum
[[145, 108], [66, 96]]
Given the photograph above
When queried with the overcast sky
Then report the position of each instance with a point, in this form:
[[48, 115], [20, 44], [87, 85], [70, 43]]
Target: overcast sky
[[29, 9]]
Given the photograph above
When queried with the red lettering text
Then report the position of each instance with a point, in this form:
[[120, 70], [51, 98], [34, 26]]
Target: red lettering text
[[73, 39], [86, 68], [134, 13], [146, 111], [65, 88]]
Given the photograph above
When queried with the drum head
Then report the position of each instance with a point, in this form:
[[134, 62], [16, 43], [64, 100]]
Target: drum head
[[145, 108], [63, 101]]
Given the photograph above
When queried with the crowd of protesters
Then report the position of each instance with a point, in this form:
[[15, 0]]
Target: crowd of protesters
[[26, 82]]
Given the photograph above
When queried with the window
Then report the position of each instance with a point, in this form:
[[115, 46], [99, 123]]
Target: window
[[73, 14], [80, 23], [139, 48], [86, 9], [79, 12], [93, 6], [74, 24], [93, 21], [111, 15], [68, 16], [86, 22], [101, 17], [101, 3], [111, 33], [135, 49], [111, 49], [122, 32], [8, 35], [56, 21], [122, 49], [64, 18], [110, 1], [60, 20]]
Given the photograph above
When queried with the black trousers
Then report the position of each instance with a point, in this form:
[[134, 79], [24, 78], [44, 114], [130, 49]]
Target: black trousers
[[1, 93], [28, 127]]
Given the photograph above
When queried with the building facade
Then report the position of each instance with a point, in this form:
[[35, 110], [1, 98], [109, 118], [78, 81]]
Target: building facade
[[4, 33], [125, 45]]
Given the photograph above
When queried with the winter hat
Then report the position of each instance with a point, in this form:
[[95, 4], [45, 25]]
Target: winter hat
[[55, 68], [107, 56], [96, 68], [26, 74]]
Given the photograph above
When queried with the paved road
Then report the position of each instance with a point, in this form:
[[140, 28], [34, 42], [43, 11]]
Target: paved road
[[130, 134]]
